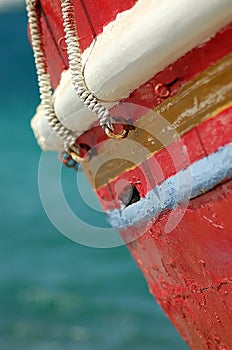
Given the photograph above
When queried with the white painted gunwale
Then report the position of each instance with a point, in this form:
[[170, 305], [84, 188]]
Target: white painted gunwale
[[132, 49]]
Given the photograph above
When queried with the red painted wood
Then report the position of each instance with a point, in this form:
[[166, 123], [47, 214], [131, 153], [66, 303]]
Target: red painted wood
[[194, 62], [101, 12], [194, 145], [92, 16], [52, 54], [189, 269], [216, 132], [51, 10]]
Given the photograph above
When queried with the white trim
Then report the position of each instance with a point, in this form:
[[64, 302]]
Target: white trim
[[46, 138], [189, 183], [144, 40], [132, 49]]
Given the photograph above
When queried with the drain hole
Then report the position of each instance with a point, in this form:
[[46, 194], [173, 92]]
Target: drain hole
[[129, 195]]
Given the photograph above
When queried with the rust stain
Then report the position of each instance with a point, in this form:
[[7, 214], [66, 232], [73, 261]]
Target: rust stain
[[204, 97]]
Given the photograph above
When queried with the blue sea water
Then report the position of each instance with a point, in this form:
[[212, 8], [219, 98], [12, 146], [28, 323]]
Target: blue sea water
[[56, 294]]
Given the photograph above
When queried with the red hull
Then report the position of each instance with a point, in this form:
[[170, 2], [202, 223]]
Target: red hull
[[189, 271]]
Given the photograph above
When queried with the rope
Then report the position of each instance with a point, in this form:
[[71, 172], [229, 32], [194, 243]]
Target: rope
[[75, 63], [45, 89]]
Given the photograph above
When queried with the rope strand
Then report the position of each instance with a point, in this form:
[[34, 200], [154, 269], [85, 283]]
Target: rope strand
[[34, 19], [75, 63]]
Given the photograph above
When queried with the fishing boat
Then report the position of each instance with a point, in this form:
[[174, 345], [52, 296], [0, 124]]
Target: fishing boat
[[139, 92]]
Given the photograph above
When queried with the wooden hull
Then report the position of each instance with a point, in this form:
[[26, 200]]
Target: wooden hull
[[181, 238], [189, 269]]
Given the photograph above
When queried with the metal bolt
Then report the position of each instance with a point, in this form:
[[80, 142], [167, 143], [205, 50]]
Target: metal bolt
[[162, 90], [62, 44]]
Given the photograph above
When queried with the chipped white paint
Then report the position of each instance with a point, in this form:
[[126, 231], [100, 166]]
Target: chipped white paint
[[46, 138], [213, 98], [146, 39], [130, 51], [189, 183]]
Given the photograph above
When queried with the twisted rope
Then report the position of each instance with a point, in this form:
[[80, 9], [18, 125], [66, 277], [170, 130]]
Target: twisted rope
[[44, 82], [75, 63]]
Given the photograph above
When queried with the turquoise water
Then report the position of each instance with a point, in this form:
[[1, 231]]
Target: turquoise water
[[55, 294]]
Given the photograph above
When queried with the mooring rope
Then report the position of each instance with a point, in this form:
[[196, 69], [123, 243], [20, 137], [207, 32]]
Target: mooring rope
[[75, 63], [45, 89]]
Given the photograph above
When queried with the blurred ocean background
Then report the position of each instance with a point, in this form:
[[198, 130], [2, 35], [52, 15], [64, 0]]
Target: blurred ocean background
[[56, 294]]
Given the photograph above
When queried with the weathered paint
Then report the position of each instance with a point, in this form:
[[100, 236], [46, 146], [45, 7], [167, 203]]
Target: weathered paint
[[52, 53], [189, 269], [194, 62], [67, 103], [201, 141], [174, 76], [91, 17], [200, 99], [134, 48], [191, 182]]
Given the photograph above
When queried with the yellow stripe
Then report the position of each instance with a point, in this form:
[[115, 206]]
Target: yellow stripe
[[200, 99]]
